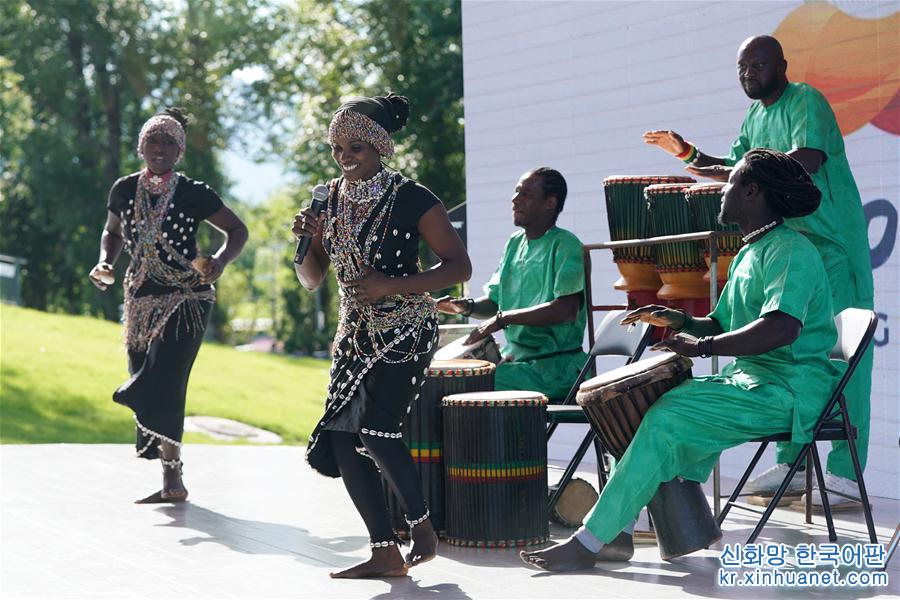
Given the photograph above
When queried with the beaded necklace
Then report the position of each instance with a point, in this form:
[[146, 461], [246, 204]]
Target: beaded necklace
[[366, 190], [146, 316], [355, 233], [758, 232]]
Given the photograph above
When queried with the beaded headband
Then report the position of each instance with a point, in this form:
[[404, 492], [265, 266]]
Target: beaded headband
[[352, 125], [162, 124]]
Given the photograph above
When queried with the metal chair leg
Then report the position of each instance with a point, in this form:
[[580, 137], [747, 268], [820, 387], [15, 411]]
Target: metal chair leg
[[808, 495], [826, 506], [857, 469], [740, 484], [795, 466], [600, 452]]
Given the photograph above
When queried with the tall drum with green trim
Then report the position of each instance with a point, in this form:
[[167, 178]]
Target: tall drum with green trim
[[626, 212], [679, 264], [705, 202], [495, 465], [423, 432]]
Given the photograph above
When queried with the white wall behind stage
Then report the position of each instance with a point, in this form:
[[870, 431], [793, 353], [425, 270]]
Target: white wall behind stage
[[573, 85]]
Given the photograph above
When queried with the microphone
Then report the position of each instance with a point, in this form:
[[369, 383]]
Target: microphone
[[317, 204]]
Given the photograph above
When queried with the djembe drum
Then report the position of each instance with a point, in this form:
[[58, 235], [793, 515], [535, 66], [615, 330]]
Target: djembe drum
[[451, 332], [615, 403], [626, 211], [679, 264], [496, 469], [705, 202], [483, 349], [423, 432]]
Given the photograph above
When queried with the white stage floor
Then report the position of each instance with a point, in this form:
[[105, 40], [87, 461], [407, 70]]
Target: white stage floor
[[261, 524]]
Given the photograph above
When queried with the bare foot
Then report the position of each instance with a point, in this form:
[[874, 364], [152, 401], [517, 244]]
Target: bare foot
[[424, 544], [568, 556], [385, 562], [173, 489]]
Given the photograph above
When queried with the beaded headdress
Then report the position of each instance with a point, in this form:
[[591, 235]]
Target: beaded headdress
[[162, 124], [353, 125]]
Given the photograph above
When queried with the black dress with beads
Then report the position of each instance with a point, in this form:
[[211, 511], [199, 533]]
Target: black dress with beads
[[166, 306], [381, 351]]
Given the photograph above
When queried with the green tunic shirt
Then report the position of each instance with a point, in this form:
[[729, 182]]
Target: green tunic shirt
[[802, 118], [783, 272], [533, 272]]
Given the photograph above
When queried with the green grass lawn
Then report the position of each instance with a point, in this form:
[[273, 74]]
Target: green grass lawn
[[58, 373]]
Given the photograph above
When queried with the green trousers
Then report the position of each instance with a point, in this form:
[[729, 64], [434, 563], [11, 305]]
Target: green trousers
[[551, 376], [682, 435], [859, 388]]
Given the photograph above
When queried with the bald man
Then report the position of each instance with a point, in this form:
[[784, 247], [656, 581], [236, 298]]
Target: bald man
[[795, 118]]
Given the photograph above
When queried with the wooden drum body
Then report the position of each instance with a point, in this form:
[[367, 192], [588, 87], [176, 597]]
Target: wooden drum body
[[615, 404], [626, 211], [705, 202], [495, 462], [680, 264], [423, 431]]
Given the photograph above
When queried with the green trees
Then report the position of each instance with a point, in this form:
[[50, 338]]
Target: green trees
[[77, 80]]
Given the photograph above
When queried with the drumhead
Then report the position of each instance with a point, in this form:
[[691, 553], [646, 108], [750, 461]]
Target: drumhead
[[459, 367], [627, 377], [647, 179], [576, 500], [498, 398], [666, 188], [457, 348], [705, 188]]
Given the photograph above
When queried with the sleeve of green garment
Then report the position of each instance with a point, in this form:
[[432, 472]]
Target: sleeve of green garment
[[740, 146], [569, 268], [492, 287], [787, 281], [811, 122]]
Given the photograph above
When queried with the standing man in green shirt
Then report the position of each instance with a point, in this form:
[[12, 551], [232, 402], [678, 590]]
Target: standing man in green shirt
[[774, 315], [796, 118], [536, 295]]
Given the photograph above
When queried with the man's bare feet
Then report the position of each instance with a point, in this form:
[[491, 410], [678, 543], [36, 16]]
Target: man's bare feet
[[568, 556], [424, 544], [385, 562]]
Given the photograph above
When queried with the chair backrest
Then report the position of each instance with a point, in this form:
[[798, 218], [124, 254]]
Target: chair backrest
[[612, 339], [855, 328], [853, 325]]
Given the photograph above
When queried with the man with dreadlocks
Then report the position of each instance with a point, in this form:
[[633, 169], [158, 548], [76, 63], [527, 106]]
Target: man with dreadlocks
[[536, 295], [795, 118], [774, 316]]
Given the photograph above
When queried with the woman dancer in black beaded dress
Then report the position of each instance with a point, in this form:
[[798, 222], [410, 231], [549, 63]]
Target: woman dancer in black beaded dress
[[154, 214], [387, 331]]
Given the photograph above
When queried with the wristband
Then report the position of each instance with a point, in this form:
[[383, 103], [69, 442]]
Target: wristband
[[686, 324], [498, 318], [690, 154], [470, 306], [704, 346]]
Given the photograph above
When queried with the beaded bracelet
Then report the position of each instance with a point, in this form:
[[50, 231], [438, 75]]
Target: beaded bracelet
[[704, 346], [690, 154]]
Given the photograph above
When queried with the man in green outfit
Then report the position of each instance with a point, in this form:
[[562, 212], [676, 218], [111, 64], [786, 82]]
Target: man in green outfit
[[774, 315], [536, 295], [795, 118]]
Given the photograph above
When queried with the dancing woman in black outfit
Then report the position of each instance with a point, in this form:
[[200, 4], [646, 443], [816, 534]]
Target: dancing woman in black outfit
[[387, 331]]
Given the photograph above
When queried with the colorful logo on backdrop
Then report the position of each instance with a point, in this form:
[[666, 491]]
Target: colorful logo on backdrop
[[854, 62]]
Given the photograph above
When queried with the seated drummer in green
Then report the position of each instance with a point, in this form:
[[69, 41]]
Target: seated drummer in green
[[536, 295], [774, 316]]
